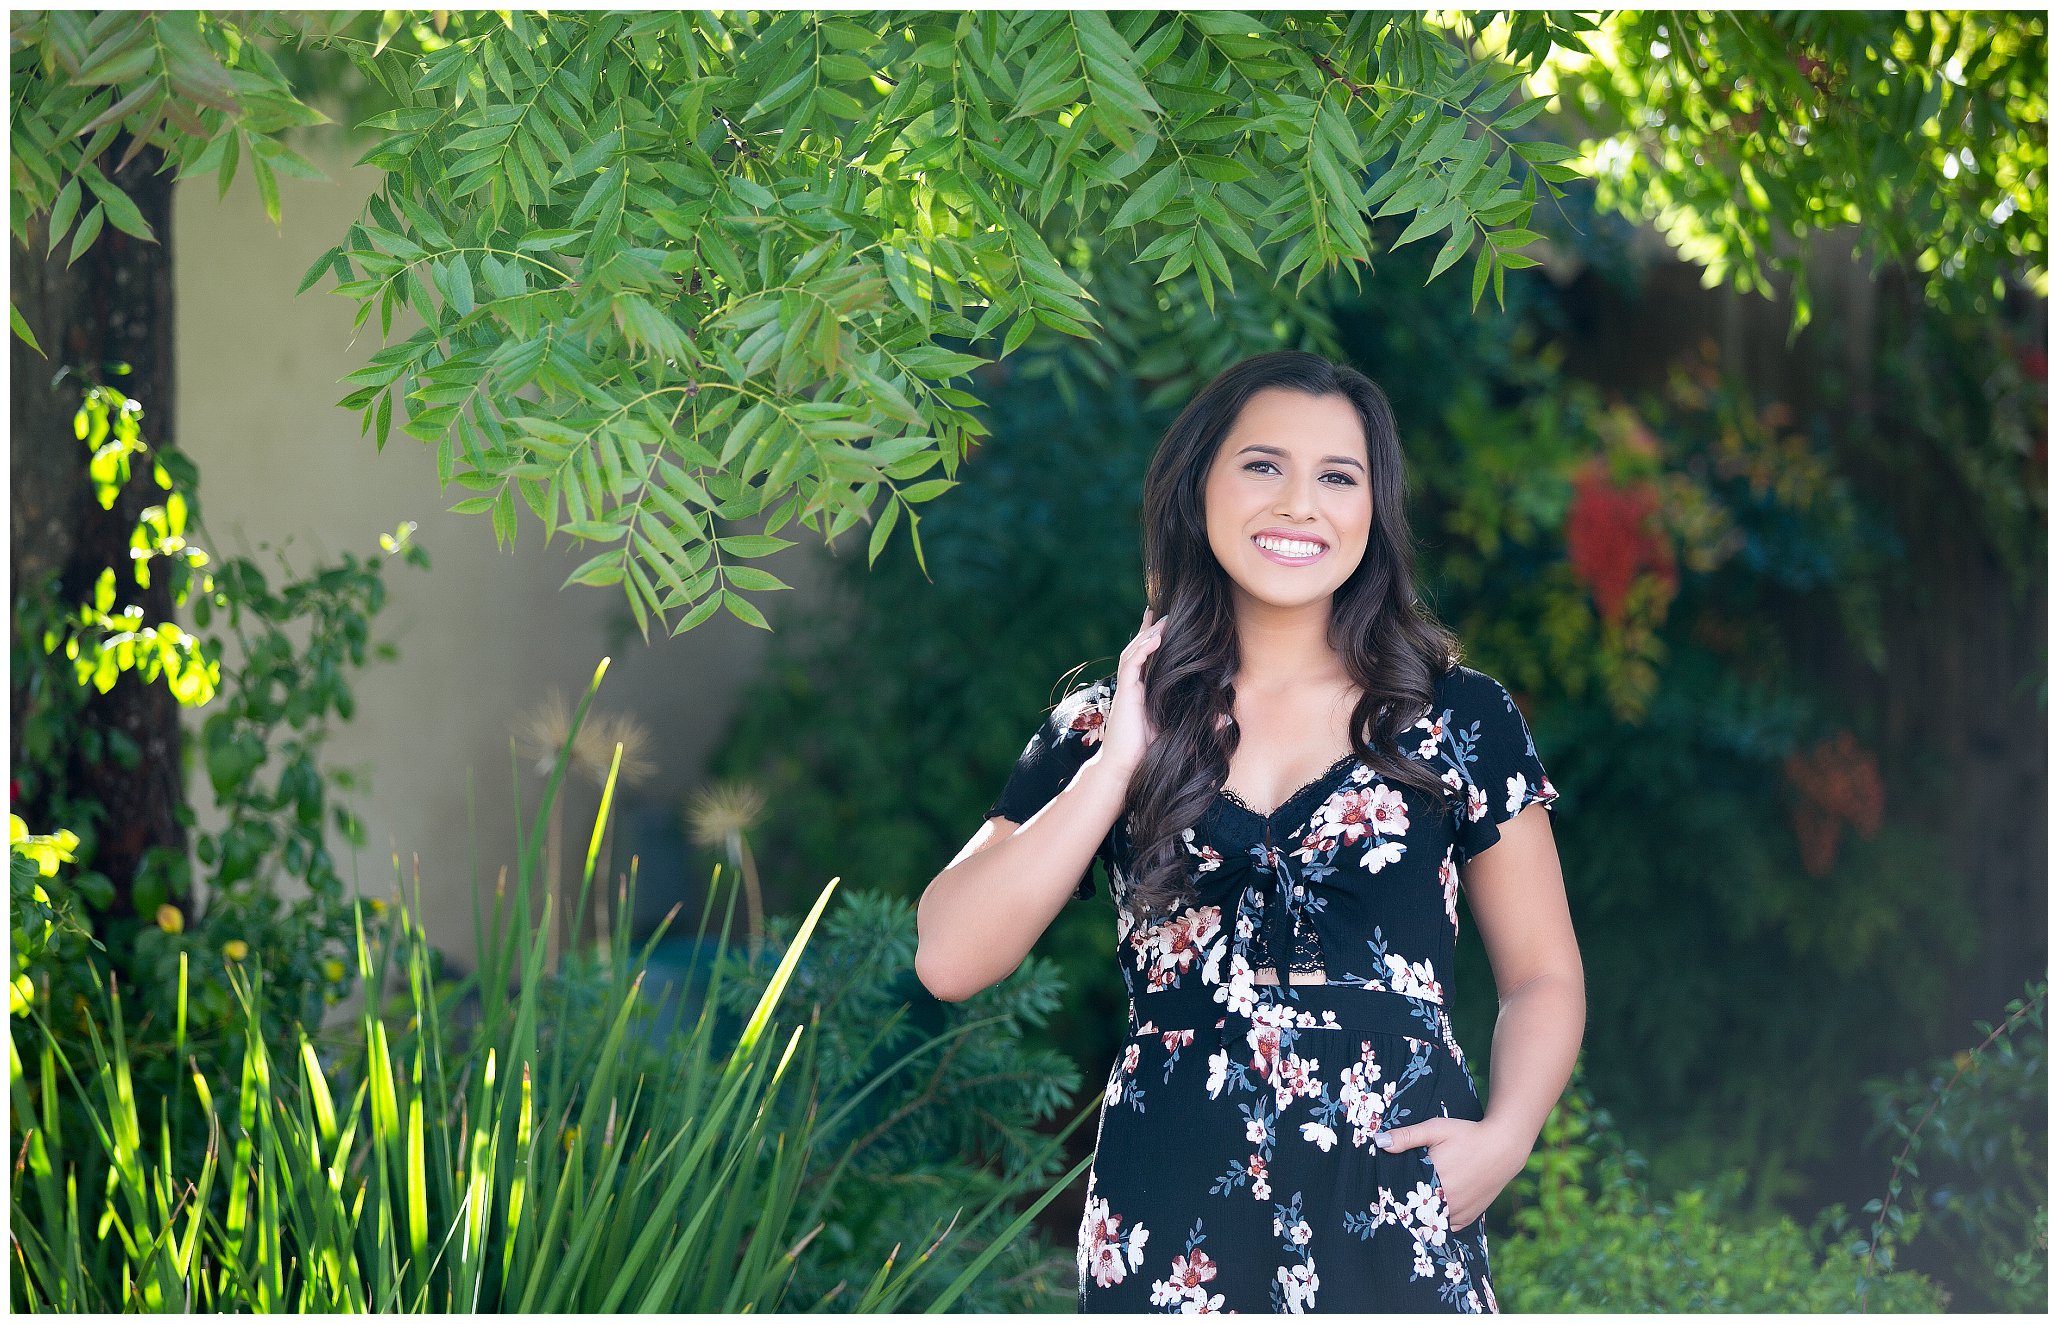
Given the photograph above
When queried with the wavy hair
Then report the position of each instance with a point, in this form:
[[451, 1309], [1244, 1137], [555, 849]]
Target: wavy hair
[[1391, 645]]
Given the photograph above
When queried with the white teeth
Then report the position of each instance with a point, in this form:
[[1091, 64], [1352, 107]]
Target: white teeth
[[1288, 547]]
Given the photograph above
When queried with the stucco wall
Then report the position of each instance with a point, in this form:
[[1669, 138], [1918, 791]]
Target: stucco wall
[[483, 635]]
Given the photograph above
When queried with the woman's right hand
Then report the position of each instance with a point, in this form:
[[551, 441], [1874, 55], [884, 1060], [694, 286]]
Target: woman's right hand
[[1128, 733]]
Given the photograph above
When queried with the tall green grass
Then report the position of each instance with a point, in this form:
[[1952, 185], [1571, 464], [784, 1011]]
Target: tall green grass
[[485, 1160]]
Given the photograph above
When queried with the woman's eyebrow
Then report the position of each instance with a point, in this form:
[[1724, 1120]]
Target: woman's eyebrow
[[1327, 459]]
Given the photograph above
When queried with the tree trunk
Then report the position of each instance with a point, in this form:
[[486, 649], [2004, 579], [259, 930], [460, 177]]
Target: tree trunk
[[113, 307]]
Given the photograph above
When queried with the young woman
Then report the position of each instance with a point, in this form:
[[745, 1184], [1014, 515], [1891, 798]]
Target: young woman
[[1288, 768]]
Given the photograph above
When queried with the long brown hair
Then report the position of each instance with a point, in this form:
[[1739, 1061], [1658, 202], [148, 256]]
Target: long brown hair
[[1392, 646]]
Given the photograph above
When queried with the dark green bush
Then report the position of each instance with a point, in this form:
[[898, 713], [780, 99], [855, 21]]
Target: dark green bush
[[1589, 1236], [936, 1135]]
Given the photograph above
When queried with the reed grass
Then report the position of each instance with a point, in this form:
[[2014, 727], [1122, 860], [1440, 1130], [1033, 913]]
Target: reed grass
[[484, 1162]]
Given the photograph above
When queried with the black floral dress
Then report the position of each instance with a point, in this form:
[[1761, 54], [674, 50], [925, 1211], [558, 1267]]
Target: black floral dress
[[1234, 1168]]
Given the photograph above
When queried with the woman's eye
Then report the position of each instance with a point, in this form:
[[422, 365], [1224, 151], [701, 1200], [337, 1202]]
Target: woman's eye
[[1348, 481]]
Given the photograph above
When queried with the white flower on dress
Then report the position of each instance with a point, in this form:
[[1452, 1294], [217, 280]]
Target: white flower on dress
[[1264, 1045], [1416, 981], [1389, 812], [1169, 948], [1297, 1079], [1427, 1214], [1186, 1285], [1241, 990], [1475, 804], [1300, 1283], [1088, 714], [1318, 1134], [1210, 858], [1364, 1103], [1254, 1130], [1100, 1243], [1517, 785], [1218, 1072], [1380, 855]]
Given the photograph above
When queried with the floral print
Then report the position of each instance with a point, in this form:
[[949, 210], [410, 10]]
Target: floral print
[[1245, 1113]]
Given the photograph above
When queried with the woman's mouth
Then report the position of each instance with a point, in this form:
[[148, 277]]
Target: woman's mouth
[[1289, 550]]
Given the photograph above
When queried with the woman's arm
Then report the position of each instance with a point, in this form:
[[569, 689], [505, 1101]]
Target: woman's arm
[[981, 915], [1516, 891]]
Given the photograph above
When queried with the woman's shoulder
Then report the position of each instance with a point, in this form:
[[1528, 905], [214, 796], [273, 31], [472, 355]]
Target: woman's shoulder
[[1464, 689]]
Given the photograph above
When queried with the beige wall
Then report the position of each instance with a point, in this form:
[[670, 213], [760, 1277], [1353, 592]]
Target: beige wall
[[482, 635]]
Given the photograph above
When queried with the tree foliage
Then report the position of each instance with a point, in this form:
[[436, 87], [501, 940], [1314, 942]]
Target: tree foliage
[[201, 88], [672, 269], [655, 272], [1739, 133]]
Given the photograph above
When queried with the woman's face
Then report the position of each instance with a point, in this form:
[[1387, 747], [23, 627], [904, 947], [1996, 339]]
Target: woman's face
[[1289, 497]]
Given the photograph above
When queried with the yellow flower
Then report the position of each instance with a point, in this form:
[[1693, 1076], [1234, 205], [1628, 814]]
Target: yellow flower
[[566, 1138], [235, 949], [170, 919], [378, 906], [333, 969]]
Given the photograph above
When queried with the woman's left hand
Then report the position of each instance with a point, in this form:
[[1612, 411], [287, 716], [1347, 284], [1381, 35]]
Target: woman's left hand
[[1474, 1161]]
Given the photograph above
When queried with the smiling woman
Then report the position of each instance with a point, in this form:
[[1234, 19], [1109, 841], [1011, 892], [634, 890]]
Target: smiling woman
[[1316, 1141]]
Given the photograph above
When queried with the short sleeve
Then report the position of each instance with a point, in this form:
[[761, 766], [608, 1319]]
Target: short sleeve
[[1066, 739], [1502, 773]]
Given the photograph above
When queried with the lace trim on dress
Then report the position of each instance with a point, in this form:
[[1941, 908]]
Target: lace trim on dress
[[1307, 954], [1297, 793]]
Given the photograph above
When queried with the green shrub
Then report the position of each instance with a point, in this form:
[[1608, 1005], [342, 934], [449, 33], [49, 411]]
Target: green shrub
[[922, 1133], [1978, 1120], [1587, 1235]]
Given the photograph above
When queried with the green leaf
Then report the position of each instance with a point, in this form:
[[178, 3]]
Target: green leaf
[[881, 529], [267, 187], [706, 608], [752, 544], [739, 607], [88, 231], [120, 210], [64, 212], [460, 290], [1148, 200], [1453, 249], [21, 328], [750, 577]]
